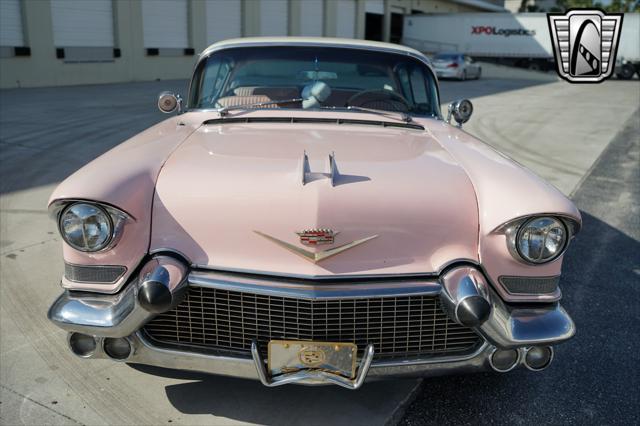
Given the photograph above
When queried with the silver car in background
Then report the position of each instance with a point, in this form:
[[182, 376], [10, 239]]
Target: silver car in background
[[456, 65]]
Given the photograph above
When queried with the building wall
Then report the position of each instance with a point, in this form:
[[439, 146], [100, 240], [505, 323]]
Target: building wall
[[42, 67]]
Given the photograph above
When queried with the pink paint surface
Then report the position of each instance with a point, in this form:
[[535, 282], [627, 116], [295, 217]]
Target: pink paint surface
[[433, 197]]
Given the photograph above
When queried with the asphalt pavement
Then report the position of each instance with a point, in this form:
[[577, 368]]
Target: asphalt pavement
[[594, 379], [557, 129]]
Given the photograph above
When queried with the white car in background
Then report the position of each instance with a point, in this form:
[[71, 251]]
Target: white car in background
[[456, 65]]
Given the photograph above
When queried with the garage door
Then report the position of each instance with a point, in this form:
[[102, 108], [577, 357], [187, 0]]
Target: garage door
[[165, 24], [11, 24], [224, 20], [274, 17], [311, 18], [346, 22], [80, 23]]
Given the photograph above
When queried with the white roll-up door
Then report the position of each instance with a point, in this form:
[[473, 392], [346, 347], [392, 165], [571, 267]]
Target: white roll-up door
[[81, 23], [274, 17], [346, 19], [374, 6], [311, 18], [224, 20], [165, 24], [11, 24]]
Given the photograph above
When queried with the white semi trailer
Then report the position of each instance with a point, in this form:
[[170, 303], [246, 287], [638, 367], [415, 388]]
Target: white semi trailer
[[515, 39], [628, 57]]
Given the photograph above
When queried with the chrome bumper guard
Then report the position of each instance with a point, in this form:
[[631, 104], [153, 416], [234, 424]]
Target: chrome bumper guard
[[464, 292]]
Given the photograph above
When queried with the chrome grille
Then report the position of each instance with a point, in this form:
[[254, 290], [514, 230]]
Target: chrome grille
[[398, 327]]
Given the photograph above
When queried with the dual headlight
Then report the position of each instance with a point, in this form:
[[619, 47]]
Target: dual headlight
[[86, 227], [540, 239]]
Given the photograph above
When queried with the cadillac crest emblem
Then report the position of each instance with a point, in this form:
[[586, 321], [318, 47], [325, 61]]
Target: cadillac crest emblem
[[317, 237]]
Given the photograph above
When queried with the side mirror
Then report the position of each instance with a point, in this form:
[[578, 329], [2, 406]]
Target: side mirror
[[169, 102], [461, 111]]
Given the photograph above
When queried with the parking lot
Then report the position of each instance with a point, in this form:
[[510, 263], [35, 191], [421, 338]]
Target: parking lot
[[584, 139]]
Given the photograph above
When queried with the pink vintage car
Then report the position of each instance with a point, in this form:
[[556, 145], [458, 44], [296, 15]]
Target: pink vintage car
[[309, 216]]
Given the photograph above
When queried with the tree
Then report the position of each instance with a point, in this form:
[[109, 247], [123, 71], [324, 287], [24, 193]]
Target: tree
[[614, 6]]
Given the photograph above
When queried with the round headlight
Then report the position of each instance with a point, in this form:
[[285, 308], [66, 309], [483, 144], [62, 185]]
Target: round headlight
[[86, 227], [541, 239]]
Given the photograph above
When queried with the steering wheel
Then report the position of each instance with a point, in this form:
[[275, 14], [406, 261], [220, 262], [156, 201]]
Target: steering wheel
[[388, 94]]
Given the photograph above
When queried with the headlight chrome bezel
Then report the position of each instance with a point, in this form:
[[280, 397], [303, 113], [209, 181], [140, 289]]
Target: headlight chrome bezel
[[116, 219], [553, 257], [512, 232]]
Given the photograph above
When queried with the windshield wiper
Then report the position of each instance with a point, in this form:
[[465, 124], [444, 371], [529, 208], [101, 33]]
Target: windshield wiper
[[224, 110], [403, 116], [389, 114]]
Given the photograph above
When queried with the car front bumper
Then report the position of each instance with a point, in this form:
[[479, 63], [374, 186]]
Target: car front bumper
[[449, 72], [121, 318]]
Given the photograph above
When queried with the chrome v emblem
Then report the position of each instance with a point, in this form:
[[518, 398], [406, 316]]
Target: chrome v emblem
[[315, 257]]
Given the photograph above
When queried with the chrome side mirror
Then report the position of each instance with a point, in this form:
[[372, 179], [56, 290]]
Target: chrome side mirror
[[169, 102], [461, 111]]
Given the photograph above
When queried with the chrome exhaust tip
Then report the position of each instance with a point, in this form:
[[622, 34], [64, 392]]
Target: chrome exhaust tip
[[538, 358], [504, 360], [118, 349], [82, 345]]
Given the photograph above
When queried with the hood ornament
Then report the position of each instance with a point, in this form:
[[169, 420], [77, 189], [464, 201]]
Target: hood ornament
[[320, 237], [309, 176]]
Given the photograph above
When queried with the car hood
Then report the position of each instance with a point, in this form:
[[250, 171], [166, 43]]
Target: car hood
[[232, 197]]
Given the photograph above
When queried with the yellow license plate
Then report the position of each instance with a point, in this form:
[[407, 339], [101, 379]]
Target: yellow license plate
[[286, 356]]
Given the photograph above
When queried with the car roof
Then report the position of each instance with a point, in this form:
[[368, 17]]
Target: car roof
[[311, 41]]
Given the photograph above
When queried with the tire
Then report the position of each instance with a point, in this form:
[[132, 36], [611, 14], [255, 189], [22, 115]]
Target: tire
[[464, 75], [626, 72]]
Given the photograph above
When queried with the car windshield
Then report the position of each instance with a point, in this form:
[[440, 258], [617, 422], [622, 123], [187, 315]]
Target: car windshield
[[313, 78]]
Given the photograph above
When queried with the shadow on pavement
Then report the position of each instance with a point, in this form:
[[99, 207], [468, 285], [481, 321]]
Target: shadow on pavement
[[249, 401], [46, 134]]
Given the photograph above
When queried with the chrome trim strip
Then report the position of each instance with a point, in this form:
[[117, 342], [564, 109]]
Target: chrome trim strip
[[345, 277], [56, 206], [170, 250], [271, 287], [434, 359], [286, 43]]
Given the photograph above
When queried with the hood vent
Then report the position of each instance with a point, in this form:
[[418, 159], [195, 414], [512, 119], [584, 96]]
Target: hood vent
[[294, 120]]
